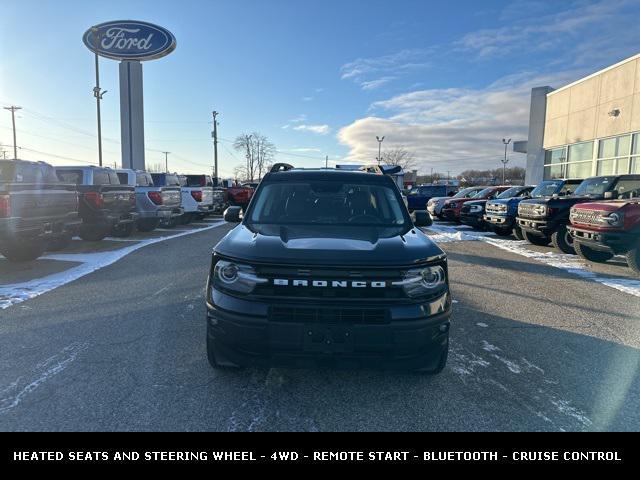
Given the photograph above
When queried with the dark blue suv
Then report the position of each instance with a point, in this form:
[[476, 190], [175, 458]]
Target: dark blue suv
[[501, 213]]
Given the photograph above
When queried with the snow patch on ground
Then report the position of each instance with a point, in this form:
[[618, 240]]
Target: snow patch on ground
[[13, 294], [570, 263]]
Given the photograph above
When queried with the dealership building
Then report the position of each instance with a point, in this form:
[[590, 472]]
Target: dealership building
[[589, 127]]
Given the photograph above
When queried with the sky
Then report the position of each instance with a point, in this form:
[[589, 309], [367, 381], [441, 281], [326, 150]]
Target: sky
[[445, 80]]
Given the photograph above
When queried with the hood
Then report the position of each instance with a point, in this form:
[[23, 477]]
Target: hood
[[476, 202], [558, 202], [606, 206], [327, 246]]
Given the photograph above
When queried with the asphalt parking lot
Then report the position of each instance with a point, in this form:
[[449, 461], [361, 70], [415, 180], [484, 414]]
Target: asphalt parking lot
[[114, 340]]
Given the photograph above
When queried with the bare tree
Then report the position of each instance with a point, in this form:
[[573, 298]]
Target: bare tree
[[399, 156], [258, 151], [240, 173], [156, 168]]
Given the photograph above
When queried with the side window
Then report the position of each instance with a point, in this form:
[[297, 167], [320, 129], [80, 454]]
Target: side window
[[113, 179], [124, 178], [628, 188], [101, 177], [143, 180], [73, 177], [28, 173]]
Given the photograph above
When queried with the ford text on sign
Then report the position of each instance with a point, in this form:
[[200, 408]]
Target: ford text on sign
[[129, 40]]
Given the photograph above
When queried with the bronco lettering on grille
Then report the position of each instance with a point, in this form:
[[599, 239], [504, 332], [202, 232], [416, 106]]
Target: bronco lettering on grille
[[283, 282]]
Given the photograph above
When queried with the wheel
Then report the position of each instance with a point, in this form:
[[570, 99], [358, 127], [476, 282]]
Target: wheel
[[633, 259], [148, 224], [59, 242], [123, 231], [517, 232], [90, 233], [536, 240], [186, 218], [591, 254], [442, 362], [502, 231], [23, 251], [216, 362], [562, 240]]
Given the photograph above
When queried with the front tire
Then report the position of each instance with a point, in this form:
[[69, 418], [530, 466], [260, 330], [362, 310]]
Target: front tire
[[563, 241], [123, 231], [92, 234], [442, 362], [536, 240], [59, 243], [518, 233], [633, 259], [502, 231], [23, 251], [215, 361], [592, 255]]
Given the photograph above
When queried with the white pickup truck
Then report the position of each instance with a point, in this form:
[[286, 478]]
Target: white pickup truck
[[154, 204], [196, 201]]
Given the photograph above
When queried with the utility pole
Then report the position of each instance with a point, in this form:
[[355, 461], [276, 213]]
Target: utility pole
[[215, 147], [505, 160], [166, 161], [326, 161], [97, 91], [13, 109], [431, 175], [380, 140]]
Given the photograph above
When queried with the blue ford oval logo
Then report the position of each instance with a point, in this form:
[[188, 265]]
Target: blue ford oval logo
[[129, 40]]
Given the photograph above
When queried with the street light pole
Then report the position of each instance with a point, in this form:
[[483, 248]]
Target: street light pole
[[166, 161], [505, 160], [380, 140], [96, 90], [13, 109], [215, 147]]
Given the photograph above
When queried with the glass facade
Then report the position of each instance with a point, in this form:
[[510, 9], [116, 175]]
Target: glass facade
[[607, 156]]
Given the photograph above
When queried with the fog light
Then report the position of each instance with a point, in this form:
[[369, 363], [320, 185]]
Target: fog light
[[444, 327]]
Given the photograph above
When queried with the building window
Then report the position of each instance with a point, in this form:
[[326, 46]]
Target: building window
[[635, 154], [613, 155], [575, 162]]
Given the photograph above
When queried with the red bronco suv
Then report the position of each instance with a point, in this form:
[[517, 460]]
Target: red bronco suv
[[603, 229]]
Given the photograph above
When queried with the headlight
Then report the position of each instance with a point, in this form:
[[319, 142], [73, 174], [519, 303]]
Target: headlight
[[423, 281], [615, 219], [475, 208], [235, 277]]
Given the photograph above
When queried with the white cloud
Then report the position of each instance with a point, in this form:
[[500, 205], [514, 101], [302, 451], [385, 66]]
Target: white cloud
[[450, 129], [373, 84], [303, 150], [307, 99], [319, 129]]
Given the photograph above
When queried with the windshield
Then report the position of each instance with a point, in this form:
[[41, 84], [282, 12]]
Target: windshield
[[512, 192], [483, 193], [467, 192], [595, 187], [328, 203], [546, 189]]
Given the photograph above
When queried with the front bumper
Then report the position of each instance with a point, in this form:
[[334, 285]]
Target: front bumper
[[472, 219], [499, 220], [161, 213], [250, 333], [537, 226], [613, 242], [451, 214], [206, 209]]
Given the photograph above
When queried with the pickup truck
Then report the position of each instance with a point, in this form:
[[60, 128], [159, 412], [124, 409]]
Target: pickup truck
[[418, 198], [105, 206], [203, 183], [37, 211], [545, 220], [155, 205], [238, 195], [472, 213], [501, 213], [452, 208], [603, 229], [327, 268], [435, 205]]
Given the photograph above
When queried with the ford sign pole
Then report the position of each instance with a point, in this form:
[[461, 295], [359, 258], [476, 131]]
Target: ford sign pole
[[96, 90], [130, 42]]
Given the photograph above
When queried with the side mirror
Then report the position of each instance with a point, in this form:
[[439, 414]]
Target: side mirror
[[422, 218], [611, 195], [232, 214]]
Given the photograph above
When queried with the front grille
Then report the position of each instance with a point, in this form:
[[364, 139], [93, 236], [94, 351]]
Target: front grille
[[496, 208], [329, 316], [390, 292], [585, 217], [530, 210]]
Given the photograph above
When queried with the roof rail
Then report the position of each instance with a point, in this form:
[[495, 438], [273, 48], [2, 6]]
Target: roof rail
[[281, 167]]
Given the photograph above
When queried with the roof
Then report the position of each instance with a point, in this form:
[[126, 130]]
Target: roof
[[324, 174]]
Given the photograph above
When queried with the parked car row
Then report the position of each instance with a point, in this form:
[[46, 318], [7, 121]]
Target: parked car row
[[42, 207]]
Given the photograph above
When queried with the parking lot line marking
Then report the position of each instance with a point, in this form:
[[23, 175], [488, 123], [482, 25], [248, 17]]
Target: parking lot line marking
[[14, 294], [570, 263]]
